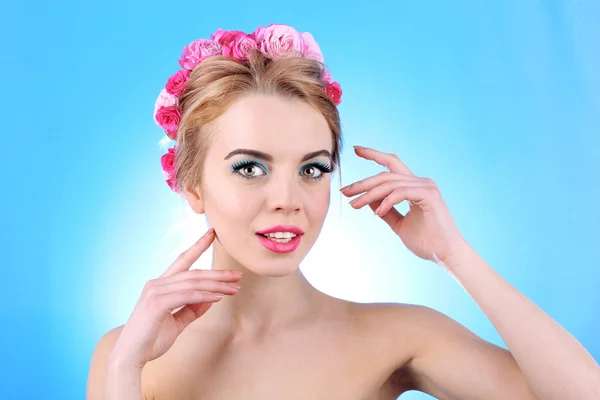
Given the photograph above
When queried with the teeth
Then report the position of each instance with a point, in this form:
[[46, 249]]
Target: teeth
[[281, 235]]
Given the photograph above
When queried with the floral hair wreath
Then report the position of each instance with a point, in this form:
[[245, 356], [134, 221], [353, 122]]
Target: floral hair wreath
[[275, 41]]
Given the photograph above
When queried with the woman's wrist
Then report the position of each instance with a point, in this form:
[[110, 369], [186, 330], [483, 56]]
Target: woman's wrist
[[123, 379]]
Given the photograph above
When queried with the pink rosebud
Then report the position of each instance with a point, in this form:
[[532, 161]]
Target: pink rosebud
[[164, 99], [197, 51], [172, 182], [281, 41], [334, 91], [326, 76], [311, 48], [168, 118], [224, 38], [168, 161], [258, 34], [171, 133], [241, 46], [176, 83]]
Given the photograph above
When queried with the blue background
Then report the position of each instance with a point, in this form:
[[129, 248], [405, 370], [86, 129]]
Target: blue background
[[498, 103]]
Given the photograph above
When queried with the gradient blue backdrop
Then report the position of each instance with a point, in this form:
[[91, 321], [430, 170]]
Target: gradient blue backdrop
[[498, 103]]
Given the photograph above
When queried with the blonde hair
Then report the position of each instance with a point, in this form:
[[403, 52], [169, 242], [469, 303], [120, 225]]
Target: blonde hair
[[219, 81]]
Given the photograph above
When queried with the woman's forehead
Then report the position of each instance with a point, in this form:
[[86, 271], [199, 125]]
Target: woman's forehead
[[272, 125]]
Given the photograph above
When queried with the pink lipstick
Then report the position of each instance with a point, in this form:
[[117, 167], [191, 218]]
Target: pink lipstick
[[280, 238]]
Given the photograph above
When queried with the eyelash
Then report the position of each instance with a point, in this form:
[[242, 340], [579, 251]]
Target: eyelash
[[324, 168]]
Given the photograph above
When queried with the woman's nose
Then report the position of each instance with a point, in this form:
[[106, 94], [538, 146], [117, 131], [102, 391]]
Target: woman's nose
[[285, 195]]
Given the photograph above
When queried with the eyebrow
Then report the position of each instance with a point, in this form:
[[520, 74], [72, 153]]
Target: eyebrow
[[269, 158]]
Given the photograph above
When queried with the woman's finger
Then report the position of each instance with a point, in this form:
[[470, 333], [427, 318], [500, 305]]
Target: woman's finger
[[373, 181], [390, 161], [392, 217], [377, 193], [224, 275], [188, 257], [196, 284], [174, 300]]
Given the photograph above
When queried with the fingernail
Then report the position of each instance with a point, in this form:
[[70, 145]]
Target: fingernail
[[377, 210], [359, 147], [208, 233]]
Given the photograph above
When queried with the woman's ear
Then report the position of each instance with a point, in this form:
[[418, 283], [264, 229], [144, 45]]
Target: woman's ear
[[194, 199]]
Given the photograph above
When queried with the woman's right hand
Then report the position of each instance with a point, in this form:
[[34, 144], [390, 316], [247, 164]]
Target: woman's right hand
[[153, 327]]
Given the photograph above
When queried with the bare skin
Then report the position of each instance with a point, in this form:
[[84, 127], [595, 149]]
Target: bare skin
[[280, 338], [311, 355], [312, 358]]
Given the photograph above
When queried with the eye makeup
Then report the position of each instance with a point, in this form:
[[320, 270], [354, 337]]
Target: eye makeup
[[239, 167]]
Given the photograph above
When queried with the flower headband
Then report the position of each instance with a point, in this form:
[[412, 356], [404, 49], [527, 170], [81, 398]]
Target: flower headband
[[275, 41]]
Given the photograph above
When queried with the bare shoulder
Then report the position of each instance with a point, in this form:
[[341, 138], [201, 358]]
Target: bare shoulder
[[97, 371], [395, 333], [438, 355]]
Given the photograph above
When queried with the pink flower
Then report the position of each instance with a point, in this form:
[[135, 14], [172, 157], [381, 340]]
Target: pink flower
[[280, 41], [168, 161], [258, 34], [334, 91], [172, 182], [241, 47], [224, 38], [197, 51], [168, 118], [311, 48], [326, 76], [235, 43], [176, 83], [164, 99]]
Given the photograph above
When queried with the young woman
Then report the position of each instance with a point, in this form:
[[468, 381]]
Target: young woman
[[257, 135]]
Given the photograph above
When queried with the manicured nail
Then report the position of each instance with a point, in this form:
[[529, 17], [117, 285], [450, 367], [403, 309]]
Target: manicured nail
[[377, 210], [208, 233], [359, 147]]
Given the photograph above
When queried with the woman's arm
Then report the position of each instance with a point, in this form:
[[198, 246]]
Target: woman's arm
[[108, 378], [552, 363], [545, 359]]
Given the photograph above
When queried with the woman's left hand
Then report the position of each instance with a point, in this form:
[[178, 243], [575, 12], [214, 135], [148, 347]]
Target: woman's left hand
[[428, 230]]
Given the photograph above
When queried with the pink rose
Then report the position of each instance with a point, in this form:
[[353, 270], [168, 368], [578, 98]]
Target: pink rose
[[258, 34], [168, 161], [197, 51], [164, 100], [241, 47], [326, 76], [224, 38], [311, 48], [176, 83], [168, 118], [172, 182], [334, 91], [281, 41]]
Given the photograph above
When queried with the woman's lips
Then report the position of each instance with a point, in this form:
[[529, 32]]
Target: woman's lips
[[282, 228], [279, 247]]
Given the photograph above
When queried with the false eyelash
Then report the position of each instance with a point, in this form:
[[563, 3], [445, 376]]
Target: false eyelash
[[325, 168], [235, 167]]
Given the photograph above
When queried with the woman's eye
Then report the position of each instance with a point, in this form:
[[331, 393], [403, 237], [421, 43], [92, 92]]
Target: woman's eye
[[312, 172], [249, 170]]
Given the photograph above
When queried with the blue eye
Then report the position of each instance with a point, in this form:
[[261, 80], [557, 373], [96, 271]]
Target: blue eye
[[316, 171], [248, 169]]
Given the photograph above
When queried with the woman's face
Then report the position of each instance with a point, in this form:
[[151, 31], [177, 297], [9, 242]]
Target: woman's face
[[268, 166]]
